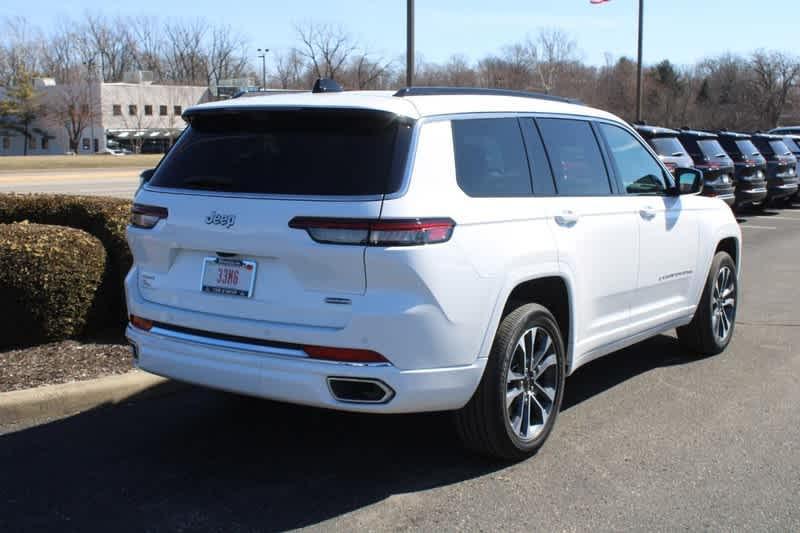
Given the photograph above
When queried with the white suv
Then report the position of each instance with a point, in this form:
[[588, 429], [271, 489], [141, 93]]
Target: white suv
[[432, 249]]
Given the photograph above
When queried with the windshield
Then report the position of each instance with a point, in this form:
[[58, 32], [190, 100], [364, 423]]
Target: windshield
[[298, 152], [747, 148], [711, 148], [668, 146]]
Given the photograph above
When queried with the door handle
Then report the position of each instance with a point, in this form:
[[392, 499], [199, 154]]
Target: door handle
[[647, 212], [567, 218]]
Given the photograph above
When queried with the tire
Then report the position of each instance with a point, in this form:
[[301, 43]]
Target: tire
[[486, 424], [702, 334]]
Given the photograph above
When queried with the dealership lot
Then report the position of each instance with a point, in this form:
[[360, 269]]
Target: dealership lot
[[649, 438]]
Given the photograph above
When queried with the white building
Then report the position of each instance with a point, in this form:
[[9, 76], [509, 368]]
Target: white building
[[137, 115]]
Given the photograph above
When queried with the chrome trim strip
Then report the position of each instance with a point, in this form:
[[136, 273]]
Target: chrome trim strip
[[228, 345], [277, 352]]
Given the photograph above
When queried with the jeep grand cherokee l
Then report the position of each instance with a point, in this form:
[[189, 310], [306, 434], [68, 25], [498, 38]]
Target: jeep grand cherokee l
[[427, 250], [782, 182], [709, 156], [751, 168]]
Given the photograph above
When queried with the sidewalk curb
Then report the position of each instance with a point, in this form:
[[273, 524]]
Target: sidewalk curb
[[69, 398]]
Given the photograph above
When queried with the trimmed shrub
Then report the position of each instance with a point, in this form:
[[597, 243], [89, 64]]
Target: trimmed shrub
[[104, 218], [49, 278]]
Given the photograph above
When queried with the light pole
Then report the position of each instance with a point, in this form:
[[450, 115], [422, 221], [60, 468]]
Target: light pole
[[639, 66], [263, 57], [639, 59], [90, 69], [409, 43]]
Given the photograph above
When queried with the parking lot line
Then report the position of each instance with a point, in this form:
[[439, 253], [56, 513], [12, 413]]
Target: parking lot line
[[748, 226], [768, 217]]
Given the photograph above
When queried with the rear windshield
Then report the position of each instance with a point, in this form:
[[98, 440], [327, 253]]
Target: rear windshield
[[791, 144], [779, 148], [289, 152], [747, 148], [667, 146], [711, 148]]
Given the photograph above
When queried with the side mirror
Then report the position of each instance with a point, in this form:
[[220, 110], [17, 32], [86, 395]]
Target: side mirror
[[145, 176], [690, 180]]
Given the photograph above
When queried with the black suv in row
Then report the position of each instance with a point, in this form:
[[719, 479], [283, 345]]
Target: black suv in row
[[750, 165], [709, 156], [782, 182]]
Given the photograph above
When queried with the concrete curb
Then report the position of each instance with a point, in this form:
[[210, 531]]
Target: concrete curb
[[52, 401]]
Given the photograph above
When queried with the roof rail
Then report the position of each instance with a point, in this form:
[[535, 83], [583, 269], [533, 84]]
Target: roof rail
[[475, 91]]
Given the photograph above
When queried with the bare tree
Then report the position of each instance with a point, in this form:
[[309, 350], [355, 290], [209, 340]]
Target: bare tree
[[20, 50], [553, 49], [326, 47], [71, 106], [226, 56], [184, 55], [112, 42], [774, 75], [290, 69]]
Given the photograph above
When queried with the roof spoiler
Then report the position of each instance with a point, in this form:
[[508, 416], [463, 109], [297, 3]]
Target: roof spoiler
[[477, 91]]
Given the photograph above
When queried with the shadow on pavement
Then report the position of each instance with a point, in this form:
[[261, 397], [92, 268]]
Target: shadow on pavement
[[204, 460]]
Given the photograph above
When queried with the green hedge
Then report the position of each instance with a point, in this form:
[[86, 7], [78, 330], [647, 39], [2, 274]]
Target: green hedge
[[104, 218], [49, 276]]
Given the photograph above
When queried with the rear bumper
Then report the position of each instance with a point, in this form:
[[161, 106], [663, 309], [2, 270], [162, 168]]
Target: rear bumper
[[724, 193], [776, 192], [300, 380], [751, 194]]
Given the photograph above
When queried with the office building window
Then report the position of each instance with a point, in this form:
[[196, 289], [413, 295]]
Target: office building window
[[45, 143], [148, 110], [31, 143], [6, 143], [117, 110], [85, 109], [177, 110], [132, 111], [162, 110], [85, 144]]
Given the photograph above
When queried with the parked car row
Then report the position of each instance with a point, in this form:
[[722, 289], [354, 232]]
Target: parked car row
[[742, 169]]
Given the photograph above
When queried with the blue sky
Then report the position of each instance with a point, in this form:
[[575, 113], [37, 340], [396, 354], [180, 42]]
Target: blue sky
[[681, 30]]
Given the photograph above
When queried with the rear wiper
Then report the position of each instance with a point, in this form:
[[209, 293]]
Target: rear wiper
[[721, 155], [677, 154], [755, 154], [205, 182]]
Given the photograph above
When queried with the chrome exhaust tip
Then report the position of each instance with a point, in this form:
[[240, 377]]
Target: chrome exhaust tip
[[360, 390]]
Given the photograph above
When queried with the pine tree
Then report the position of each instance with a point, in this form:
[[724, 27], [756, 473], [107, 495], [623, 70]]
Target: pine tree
[[21, 107]]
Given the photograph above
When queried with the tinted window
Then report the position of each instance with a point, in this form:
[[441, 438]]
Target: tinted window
[[636, 168], [669, 146], [575, 157], [540, 167], [711, 148], [747, 148], [308, 152], [791, 144], [779, 147], [490, 157]]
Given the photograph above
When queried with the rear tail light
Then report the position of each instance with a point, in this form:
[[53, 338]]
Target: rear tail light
[[346, 355], [141, 323], [147, 216], [369, 232]]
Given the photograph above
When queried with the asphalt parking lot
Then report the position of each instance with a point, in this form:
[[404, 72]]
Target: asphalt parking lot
[[649, 439]]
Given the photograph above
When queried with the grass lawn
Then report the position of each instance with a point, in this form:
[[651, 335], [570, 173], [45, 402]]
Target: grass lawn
[[46, 162]]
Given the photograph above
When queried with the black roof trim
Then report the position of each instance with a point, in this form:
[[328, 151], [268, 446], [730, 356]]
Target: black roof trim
[[734, 134], [479, 91], [698, 133], [655, 131]]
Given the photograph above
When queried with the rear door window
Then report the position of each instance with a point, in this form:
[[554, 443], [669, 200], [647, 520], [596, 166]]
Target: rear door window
[[490, 157], [638, 171], [747, 148], [779, 148], [711, 148], [575, 157], [298, 152]]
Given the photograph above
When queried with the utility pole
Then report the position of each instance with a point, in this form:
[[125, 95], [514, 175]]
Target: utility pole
[[263, 57], [639, 65], [409, 43], [90, 71]]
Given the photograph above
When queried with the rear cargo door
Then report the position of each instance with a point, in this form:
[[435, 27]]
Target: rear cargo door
[[233, 184]]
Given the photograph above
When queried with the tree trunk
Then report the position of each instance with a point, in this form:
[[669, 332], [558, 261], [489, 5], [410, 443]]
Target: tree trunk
[[25, 141]]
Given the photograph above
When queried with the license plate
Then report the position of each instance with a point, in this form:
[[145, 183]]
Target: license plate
[[229, 276]]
